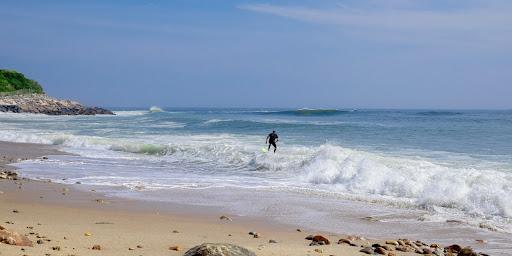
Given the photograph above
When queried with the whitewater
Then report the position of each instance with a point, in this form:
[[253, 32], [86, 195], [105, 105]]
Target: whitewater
[[397, 166]]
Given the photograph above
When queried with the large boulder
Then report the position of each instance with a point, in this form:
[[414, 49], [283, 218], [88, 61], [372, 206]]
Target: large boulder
[[211, 249], [13, 238]]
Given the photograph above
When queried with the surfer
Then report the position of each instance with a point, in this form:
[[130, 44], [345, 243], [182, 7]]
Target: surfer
[[272, 138]]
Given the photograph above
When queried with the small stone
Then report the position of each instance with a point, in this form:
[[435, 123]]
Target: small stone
[[380, 250], [131, 249], [346, 241], [252, 233], [256, 235], [299, 230], [427, 250], [56, 248], [40, 241], [367, 250], [96, 247], [271, 241], [175, 248], [226, 218], [310, 237], [391, 242], [454, 248], [15, 211], [391, 254], [139, 246], [319, 238], [175, 231], [87, 234], [467, 252], [318, 250]]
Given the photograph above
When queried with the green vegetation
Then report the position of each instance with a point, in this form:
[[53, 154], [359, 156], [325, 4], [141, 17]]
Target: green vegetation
[[12, 82]]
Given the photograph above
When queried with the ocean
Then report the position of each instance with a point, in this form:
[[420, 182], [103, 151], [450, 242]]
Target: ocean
[[415, 172]]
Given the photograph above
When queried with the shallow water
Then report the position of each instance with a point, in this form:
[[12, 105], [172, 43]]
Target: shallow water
[[417, 166]]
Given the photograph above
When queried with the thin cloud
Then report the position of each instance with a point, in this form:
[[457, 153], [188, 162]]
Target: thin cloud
[[398, 15]]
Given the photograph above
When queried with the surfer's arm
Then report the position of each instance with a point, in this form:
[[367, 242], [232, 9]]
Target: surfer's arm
[[266, 140]]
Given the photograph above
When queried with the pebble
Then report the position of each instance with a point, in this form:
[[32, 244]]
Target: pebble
[[175, 231], [226, 218], [56, 248], [175, 248], [15, 211], [346, 241], [139, 246], [96, 247], [271, 241], [40, 241], [299, 230], [391, 242], [87, 234], [131, 249], [367, 250], [380, 250]]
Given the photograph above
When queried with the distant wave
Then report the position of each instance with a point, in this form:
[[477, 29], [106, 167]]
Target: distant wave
[[155, 109], [439, 113], [307, 112]]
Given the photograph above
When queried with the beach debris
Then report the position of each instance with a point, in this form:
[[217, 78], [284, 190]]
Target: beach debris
[[87, 234], [367, 250], [175, 248], [346, 241], [213, 249], [299, 230], [272, 241], [175, 231], [96, 247], [13, 238], [56, 248], [226, 218]]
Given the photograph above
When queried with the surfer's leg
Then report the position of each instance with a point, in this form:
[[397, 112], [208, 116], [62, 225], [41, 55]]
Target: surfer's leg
[[275, 146]]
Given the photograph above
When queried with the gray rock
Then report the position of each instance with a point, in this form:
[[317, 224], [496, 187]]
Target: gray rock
[[43, 104], [367, 250], [211, 249]]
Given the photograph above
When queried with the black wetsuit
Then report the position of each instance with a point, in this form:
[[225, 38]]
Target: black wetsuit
[[272, 141]]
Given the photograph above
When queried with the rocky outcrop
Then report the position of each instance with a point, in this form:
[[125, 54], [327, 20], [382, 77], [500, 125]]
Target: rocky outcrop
[[209, 249], [43, 104]]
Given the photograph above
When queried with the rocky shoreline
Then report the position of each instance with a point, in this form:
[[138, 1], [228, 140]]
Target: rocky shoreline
[[44, 104]]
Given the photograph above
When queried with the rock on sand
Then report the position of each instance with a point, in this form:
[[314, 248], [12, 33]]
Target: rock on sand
[[210, 249]]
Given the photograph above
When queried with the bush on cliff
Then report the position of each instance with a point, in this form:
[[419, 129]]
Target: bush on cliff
[[15, 82]]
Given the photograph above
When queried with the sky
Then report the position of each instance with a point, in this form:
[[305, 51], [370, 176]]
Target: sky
[[441, 54]]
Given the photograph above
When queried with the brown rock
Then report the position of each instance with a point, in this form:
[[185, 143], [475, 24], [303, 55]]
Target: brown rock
[[380, 250], [96, 247], [56, 248], [225, 218], [391, 254], [454, 248], [13, 238], [318, 250], [467, 252], [319, 238]]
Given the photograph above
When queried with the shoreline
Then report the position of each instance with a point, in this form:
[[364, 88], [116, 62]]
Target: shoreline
[[133, 219]]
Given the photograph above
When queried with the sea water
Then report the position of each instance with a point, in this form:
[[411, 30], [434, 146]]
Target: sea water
[[409, 168]]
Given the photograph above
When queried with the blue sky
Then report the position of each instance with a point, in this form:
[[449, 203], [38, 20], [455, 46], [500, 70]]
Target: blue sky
[[332, 54]]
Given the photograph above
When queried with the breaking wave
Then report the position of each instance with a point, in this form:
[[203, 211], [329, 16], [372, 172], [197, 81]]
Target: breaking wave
[[307, 112]]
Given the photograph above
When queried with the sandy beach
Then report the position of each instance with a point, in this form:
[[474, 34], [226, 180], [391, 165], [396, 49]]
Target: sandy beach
[[61, 220]]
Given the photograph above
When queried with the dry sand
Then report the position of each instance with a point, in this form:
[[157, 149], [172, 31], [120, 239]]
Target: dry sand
[[63, 216]]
